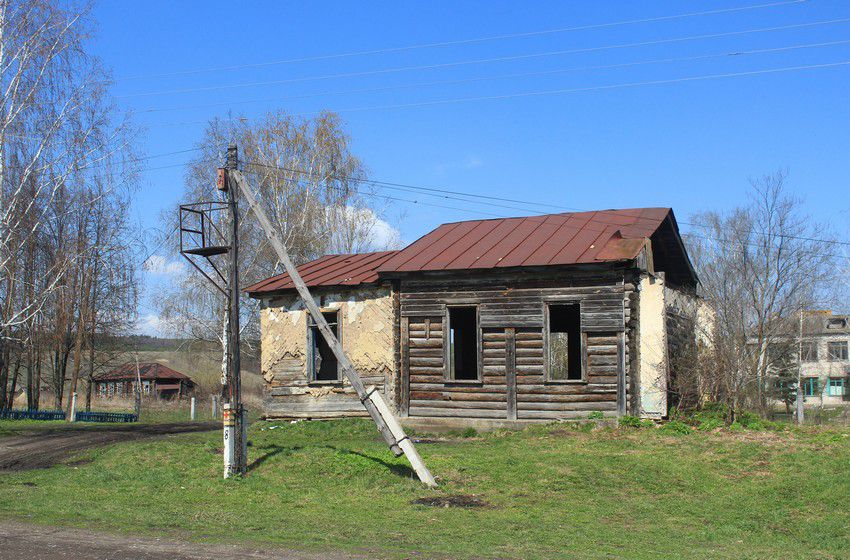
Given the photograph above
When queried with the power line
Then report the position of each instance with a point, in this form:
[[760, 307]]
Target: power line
[[159, 246], [460, 41], [445, 193], [145, 158], [586, 89], [545, 92], [505, 76], [485, 60]]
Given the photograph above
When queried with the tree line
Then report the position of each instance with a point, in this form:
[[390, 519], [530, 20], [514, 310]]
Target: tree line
[[761, 266], [67, 173]]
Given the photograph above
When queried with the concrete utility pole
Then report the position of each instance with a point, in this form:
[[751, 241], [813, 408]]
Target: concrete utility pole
[[800, 413], [233, 389], [138, 394], [371, 398]]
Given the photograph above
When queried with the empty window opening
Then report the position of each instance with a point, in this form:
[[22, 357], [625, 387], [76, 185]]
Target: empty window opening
[[565, 343], [836, 323], [463, 343], [837, 350], [322, 363]]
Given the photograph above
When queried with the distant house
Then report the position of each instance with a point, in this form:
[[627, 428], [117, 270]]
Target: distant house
[[825, 363], [508, 320], [157, 380]]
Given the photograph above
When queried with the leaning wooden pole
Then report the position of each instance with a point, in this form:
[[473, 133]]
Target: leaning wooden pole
[[371, 398]]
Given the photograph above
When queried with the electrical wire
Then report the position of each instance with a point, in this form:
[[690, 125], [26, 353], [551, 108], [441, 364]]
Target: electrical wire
[[458, 41], [145, 158], [484, 60], [546, 92], [503, 76], [445, 193]]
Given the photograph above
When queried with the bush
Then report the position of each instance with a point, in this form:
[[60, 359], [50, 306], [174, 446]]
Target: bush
[[750, 421], [711, 413], [709, 424], [676, 427], [635, 422], [595, 415]]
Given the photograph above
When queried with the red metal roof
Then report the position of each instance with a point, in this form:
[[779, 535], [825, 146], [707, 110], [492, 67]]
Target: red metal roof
[[330, 270], [147, 370], [554, 239]]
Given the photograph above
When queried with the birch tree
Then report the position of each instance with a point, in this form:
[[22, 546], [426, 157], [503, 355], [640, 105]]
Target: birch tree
[[759, 265], [64, 146], [312, 187]]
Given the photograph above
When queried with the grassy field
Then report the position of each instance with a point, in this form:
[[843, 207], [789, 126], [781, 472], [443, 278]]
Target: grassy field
[[556, 491]]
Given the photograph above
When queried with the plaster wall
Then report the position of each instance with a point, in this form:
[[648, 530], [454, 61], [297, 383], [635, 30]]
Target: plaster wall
[[652, 364], [366, 330]]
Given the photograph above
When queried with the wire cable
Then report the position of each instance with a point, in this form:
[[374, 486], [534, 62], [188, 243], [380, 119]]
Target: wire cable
[[484, 60], [504, 76], [459, 41], [445, 193], [545, 92]]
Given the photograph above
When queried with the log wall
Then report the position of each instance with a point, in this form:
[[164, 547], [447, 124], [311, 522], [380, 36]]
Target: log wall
[[513, 381]]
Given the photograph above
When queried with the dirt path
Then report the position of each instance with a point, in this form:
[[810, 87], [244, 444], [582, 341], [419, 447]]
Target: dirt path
[[35, 542], [45, 448]]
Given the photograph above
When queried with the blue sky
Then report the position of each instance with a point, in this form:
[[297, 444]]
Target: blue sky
[[691, 145]]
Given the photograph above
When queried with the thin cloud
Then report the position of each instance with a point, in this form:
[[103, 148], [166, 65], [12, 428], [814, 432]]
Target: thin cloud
[[161, 266]]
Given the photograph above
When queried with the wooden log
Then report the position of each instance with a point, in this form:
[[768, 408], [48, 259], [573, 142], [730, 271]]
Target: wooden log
[[560, 398], [486, 388], [404, 402], [510, 373], [458, 395], [458, 405], [455, 413]]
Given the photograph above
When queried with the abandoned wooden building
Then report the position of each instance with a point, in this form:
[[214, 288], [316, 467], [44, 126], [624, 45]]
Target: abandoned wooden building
[[158, 381], [512, 319]]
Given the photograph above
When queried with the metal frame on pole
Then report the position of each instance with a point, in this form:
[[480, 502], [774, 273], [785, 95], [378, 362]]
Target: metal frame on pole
[[200, 237]]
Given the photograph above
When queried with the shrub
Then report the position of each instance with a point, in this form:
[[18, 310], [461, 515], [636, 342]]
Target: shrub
[[750, 421], [709, 424], [676, 427], [774, 426], [635, 422], [736, 427]]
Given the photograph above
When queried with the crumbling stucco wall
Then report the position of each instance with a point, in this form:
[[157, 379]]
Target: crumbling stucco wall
[[367, 332], [651, 378]]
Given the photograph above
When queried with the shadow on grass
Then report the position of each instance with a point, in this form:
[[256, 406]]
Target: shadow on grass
[[271, 451], [403, 471]]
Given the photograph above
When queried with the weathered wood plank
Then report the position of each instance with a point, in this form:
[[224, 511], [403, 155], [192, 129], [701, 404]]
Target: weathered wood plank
[[458, 405], [510, 373], [456, 413], [404, 404]]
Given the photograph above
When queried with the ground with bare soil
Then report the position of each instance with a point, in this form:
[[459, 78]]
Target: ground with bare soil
[[43, 448], [35, 542]]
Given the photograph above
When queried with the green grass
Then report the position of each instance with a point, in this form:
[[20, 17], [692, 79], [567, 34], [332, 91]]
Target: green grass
[[23, 427], [557, 491]]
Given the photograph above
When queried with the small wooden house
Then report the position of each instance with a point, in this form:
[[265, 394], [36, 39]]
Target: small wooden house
[[491, 321], [157, 380]]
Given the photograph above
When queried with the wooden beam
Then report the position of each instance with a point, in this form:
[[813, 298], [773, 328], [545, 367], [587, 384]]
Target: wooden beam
[[510, 370], [372, 400]]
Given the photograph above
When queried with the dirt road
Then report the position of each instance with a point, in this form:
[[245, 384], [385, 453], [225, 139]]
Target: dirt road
[[35, 542], [44, 448]]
